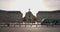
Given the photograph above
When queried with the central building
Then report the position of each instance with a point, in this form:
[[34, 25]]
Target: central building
[[29, 17]]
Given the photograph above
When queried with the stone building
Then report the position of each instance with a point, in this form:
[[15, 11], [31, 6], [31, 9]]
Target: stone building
[[47, 14], [16, 16], [29, 17], [10, 16]]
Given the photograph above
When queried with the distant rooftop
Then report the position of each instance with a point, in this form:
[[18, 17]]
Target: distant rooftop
[[29, 12], [56, 11], [3, 11]]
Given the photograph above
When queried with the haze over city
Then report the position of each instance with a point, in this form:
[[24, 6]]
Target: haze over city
[[34, 5]]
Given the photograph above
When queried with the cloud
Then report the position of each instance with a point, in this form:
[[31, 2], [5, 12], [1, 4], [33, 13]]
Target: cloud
[[8, 4], [34, 5], [52, 4]]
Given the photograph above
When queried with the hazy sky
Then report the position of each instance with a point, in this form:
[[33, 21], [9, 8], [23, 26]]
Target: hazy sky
[[34, 5]]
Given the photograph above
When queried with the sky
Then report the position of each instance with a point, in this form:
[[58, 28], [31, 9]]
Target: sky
[[33, 5]]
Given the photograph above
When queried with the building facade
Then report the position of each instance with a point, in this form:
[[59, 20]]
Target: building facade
[[47, 14], [16, 16], [29, 17], [10, 16]]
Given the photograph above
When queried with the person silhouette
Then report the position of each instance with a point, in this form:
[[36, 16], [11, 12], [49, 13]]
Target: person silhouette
[[8, 25]]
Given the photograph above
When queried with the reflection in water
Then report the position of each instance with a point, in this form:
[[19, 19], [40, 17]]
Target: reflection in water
[[25, 27], [30, 25], [28, 28]]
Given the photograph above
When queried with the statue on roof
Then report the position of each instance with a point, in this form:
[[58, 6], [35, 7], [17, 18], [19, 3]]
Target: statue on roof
[[29, 12]]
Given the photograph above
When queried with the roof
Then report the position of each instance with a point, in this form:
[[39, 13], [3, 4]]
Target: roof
[[3, 11], [56, 11], [29, 12], [13, 12]]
